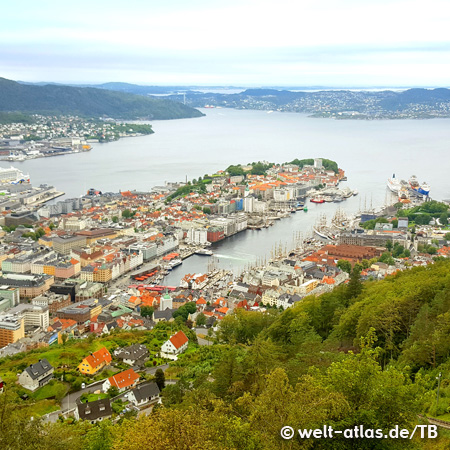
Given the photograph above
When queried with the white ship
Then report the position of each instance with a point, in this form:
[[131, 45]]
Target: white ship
[[204, 252], [394, 184], [13, 176]]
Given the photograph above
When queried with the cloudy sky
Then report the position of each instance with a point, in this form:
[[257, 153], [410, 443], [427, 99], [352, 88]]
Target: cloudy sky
[[240, 43]]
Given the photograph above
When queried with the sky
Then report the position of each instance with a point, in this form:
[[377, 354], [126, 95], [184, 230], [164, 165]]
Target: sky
[[235, 43]]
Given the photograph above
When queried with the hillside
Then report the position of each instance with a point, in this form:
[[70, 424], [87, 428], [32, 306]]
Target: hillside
[[362, 355], [88, 102]]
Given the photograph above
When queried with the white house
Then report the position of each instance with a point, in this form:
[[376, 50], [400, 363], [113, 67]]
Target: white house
[[144, 393], [36, 375], [176, 345]]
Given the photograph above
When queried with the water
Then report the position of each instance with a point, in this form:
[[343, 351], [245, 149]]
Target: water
[[369, 152]]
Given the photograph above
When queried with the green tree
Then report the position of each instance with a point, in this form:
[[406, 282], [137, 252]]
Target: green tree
[[354, 287], [147, 311], [113, 392], [160, 379], [115, 219], [344, 265], [200, 320]]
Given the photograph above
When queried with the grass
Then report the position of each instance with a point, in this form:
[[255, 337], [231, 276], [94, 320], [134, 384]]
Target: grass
[[54, 389], [94, 397]]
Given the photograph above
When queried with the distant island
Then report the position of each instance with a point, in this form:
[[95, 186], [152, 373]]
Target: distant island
[[88, 102]]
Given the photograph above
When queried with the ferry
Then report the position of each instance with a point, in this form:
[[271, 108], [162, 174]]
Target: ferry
[[423, 188]]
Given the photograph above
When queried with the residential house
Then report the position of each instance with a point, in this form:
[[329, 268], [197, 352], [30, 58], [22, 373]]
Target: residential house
[[95, 361], [144, 393], [122, 381], [134, 355], [36, 375], [94, 411], [174, 346]]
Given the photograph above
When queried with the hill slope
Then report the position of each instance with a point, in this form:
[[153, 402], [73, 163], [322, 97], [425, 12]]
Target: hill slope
[[91, 102]]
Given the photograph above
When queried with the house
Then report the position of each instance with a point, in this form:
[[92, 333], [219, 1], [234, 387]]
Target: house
[[163, 316], [94, 411], [95, 361], [36, 375], [122, 381], [174, 346], [134, 355], [144, 393]]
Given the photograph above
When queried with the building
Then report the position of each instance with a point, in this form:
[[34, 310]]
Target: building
[[134, 355], [127, 379], [174, 346], [29, 286], [9, 297], [36, 375], [81, 312], [215, 234], [64, 244], [53, 301], [12, 329], [33, 315], [144, 393], [94, 411], [95, 361]]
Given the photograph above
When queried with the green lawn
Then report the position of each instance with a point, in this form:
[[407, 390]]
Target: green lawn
[[54, 389], [94, 397]]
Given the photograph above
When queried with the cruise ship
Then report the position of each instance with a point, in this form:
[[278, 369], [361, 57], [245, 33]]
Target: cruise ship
[[13, 176], [394, 184]]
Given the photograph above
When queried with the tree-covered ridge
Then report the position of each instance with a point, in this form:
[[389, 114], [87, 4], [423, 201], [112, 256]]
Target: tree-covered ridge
[[326, 163], [15, 117], [87, 102]]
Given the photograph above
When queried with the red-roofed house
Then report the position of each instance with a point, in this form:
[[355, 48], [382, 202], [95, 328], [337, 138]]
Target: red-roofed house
[[95, 361], [176, 345], [122, 381]]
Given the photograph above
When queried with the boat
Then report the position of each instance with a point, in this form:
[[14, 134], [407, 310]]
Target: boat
[[328, 198], [318, 199], [174, 263], [346, 193], [355, 192], [13, 176], [423, 188], [394, 184], [204, 252], [322, 230], [338, 199]]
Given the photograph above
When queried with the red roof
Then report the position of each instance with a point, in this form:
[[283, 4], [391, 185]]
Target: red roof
[[179, 339], [124, 379], [99, 357]]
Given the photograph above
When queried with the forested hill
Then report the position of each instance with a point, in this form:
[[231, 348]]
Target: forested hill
[[365, 355], [87, 102]]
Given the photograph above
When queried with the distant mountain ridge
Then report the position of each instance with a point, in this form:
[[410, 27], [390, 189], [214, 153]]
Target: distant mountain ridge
[[88, 102]]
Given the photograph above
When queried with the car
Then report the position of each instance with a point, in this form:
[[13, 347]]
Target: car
[[83, 385]]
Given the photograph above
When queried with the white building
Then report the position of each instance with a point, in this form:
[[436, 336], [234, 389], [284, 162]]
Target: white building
[[174, 346]]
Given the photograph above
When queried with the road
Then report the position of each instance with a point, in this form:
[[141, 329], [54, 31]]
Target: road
[[70, 401]]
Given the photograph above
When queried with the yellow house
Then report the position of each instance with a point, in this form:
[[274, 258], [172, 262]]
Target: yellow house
[[95, 361]]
